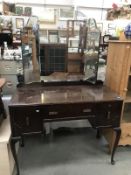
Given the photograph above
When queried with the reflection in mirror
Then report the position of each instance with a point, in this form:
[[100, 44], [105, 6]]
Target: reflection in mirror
[[91, 52], [91, 23], [58, 64]]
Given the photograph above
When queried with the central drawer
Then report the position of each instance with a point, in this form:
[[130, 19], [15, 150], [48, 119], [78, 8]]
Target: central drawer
[[69, 110]]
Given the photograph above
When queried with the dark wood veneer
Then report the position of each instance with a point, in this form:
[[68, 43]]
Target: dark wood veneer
[[34, 104]]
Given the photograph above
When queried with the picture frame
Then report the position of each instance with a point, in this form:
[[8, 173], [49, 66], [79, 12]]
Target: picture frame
[[27, 11], [66, 13], [19, 10], [19, 23]]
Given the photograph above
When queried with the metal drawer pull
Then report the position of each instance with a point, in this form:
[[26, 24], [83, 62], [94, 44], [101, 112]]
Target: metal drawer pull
[[27, 121], [53, 113], [37, 110], [86, 110], [108, 115]]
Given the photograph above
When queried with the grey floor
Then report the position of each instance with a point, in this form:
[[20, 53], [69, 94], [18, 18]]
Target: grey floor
[[72, 152]]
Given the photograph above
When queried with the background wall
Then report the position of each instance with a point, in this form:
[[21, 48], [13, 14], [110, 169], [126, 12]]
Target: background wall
[[89, 3], [91, 8]]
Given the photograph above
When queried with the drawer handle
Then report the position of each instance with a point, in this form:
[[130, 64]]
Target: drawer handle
[[86, 110], [27, 121], [37, 110], [108, 115], [53, 113]]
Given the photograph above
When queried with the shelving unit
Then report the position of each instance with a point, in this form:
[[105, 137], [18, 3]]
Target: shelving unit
[[118, 78]]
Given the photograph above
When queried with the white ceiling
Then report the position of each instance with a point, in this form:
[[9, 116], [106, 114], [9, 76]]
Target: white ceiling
[[90, 3]]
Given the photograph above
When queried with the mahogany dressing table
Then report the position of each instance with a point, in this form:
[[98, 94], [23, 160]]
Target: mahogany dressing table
[[38, 103]]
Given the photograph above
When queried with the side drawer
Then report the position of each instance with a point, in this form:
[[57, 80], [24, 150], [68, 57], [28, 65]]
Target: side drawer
[[108, 113], [68, 111], [25, 119]]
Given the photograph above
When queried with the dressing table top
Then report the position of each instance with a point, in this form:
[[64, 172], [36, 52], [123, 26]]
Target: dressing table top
[[37, 94]]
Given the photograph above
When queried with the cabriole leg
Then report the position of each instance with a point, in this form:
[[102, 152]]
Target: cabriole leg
[[13, 149], [117, 138]]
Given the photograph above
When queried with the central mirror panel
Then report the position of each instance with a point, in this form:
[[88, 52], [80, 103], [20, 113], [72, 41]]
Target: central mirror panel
[[64, 61]]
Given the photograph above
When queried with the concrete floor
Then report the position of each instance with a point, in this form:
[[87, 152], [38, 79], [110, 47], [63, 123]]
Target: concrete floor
[[72, 152]]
